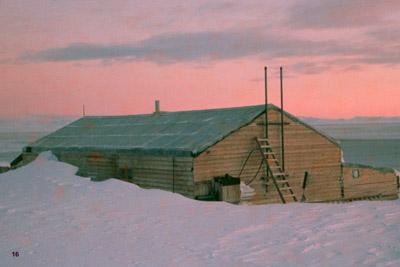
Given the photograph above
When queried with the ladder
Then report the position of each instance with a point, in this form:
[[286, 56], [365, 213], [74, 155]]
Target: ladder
[[278, 176]]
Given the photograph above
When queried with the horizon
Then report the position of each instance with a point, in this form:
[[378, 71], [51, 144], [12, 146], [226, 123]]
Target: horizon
[[46, 117], [340, 59]]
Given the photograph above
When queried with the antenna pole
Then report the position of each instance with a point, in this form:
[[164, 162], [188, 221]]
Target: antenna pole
[[266, 103], [282, 134]]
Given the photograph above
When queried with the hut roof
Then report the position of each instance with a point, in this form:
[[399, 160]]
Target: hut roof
[[184, 133]]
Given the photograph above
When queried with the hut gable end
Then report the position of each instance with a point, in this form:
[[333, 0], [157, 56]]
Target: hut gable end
[[305, 150]]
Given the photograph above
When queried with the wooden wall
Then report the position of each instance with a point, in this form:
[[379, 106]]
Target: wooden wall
[[98, 166], [4, 169], [161, 172], [305, 150], [371, 182], [28, 157], [228, 156]]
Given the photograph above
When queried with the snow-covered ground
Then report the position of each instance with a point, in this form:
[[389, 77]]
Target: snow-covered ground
[[53, 218]]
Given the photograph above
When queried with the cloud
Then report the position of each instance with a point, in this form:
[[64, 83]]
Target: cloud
[[6, 60], [339, 13], [256, 80], [209, 46], [386, 59], [376, 46], [387, 34], [306, 67], [78, 51], [165, 48]]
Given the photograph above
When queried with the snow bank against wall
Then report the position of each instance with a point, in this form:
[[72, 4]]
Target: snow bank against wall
[[53, 218]]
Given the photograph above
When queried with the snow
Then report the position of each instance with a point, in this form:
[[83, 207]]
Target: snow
[[54, 218], [397, 172], [4, 164]]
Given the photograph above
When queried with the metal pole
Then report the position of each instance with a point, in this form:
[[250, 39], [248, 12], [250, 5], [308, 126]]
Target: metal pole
[[282, 134], [83, 110], [266, 103]]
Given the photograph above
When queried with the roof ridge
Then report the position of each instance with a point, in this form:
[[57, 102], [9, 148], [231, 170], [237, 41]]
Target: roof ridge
[[181, 111]]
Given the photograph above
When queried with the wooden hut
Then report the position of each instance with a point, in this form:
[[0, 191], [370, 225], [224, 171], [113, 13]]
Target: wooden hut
[[183, 152]]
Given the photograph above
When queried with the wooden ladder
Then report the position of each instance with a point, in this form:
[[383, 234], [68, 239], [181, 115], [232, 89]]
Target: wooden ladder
[[278, 176]]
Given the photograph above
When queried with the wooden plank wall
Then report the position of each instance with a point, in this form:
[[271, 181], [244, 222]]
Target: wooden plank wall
[[28, 157], [4, 169], [98, 166], [231, 194], [305, 150], [228, 156], [370, 182], [161, 172], [148, 171]]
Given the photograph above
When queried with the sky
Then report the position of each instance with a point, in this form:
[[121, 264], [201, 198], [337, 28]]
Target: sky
[[340, 58]]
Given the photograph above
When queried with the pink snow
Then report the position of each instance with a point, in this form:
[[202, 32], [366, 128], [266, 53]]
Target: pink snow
[[54, 218]]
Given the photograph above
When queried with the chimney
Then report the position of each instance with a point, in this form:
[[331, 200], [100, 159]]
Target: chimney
[[157, 106]]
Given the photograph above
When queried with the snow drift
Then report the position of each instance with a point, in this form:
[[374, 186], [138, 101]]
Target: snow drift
[[54, 218]]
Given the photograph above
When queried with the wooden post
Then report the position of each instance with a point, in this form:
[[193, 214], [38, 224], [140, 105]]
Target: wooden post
[[282, 132], [303, 197]]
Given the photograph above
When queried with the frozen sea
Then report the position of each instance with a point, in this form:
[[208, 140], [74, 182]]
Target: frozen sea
[[11, 144], [376, 144]]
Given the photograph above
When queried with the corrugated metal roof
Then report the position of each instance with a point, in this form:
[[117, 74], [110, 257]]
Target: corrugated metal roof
[[167, 133]]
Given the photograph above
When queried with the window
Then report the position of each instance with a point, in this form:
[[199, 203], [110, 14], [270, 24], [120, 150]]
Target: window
[[126, 174], [356, 173]]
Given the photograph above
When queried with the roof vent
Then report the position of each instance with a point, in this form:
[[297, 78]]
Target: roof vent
[[157, 103]]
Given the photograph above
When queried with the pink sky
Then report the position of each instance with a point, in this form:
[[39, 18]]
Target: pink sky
[[340, 58]]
